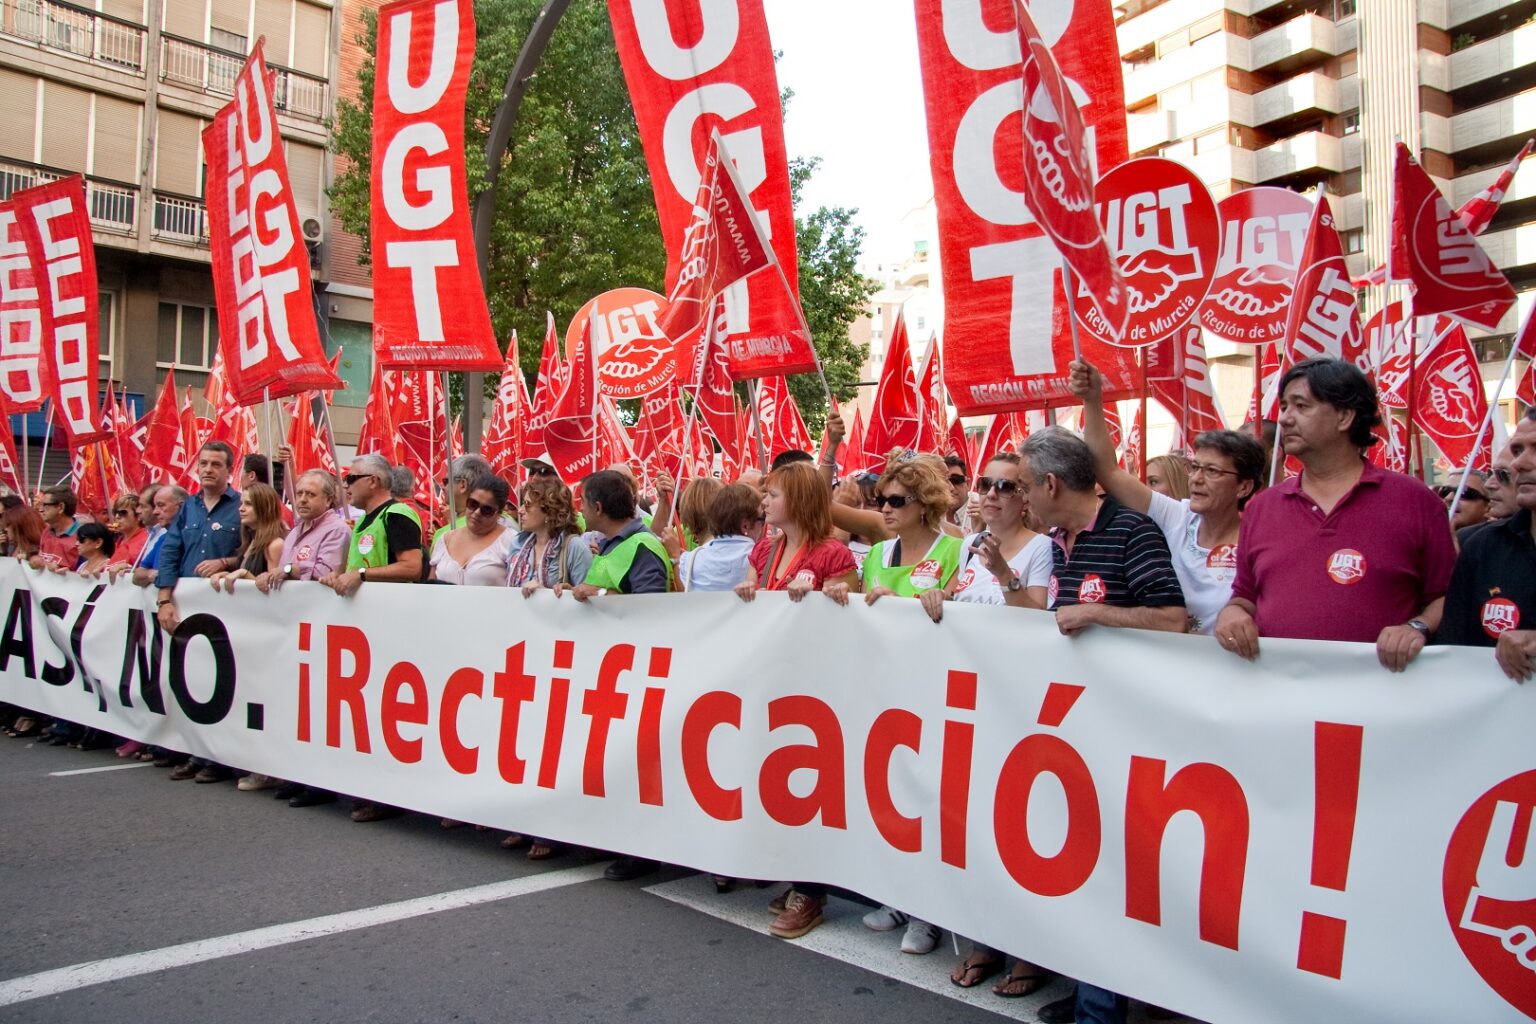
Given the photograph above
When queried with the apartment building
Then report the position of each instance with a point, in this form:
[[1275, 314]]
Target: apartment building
[[121, 92], [1303, 92]]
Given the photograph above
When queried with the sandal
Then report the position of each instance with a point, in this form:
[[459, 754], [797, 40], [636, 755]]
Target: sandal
[[515, 841], [22, 727], [975, 969], [541, 850], [1025, 979]]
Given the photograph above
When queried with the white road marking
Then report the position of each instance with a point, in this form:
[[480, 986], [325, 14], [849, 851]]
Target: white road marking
[[842, 936], [97, 972], [103, 768]]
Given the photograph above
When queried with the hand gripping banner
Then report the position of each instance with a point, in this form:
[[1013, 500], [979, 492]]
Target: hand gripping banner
[[1006, 330], [429, 307], [692, 68], [267, 329], [1260, 843], [55, 224]]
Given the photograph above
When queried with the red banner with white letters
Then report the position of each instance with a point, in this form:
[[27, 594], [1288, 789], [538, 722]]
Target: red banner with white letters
[[429, 309], [55, 224], [267, 329], [693, 68], [21, 320], [1006, 331], [1324, 318]]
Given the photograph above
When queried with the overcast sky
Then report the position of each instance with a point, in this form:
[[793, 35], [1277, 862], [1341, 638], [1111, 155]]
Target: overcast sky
[[858, 105]]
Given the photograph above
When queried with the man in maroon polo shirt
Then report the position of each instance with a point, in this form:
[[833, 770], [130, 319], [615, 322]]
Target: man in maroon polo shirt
[[1347, 550]]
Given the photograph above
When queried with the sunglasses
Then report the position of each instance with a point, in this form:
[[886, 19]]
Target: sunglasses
[[542, 470], [986, 483], [1470, 494], [893, 500], [120, 513], [475, 508], [1503, 476], [956, 480]]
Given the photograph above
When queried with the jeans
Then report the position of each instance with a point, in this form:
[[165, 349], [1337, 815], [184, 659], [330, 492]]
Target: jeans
[[1099, 1005]]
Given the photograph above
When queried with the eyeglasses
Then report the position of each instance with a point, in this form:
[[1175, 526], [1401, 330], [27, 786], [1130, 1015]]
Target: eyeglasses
[[1206, 469], [957, 480], [474, 508], [986, 483], [893, 500]]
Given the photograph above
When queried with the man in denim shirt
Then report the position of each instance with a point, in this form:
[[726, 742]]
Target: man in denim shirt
[[203, 539]]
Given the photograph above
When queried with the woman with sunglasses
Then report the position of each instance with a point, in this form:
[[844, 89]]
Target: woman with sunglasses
[[130, 531], [1228, 468], [1006, 562], [476, 554], [548, 550]]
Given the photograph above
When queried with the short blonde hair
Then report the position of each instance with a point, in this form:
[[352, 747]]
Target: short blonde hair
[[925, 477]]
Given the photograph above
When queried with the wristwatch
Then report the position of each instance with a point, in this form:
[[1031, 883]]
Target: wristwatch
[[362, 575], [288, 570], [1421, 626], [1014, 583]]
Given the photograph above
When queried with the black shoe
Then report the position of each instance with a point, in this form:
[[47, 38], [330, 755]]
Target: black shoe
[[626, 868], [1062, 1011], [312, 798], [287, 791]]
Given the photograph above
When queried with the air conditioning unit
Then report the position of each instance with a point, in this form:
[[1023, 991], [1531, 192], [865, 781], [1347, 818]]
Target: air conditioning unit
[[312, 230]]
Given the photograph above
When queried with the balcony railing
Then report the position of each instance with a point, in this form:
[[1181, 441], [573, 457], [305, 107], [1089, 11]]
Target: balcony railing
[[181, 218], [114, 205], [213, 70], [77, 30]]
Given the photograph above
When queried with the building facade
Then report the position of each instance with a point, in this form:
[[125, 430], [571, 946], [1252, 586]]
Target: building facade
[[121, 93]]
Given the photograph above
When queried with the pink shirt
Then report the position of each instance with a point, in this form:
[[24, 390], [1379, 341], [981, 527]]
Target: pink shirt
[[1381, 555], [317, 549]]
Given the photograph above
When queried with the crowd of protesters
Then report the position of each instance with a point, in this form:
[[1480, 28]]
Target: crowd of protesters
[[1344, 550]]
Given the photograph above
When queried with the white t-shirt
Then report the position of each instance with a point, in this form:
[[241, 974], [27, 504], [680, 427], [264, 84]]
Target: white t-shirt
[[975, 584], [1205, 575]]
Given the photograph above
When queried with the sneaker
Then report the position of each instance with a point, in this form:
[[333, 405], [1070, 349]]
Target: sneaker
[[254, 782], [185, 770], [777, 904], [211, 773], [919, 938], [884, 920], [801, 914]]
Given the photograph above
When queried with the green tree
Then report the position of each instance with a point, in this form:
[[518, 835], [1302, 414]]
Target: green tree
[[575, 213]]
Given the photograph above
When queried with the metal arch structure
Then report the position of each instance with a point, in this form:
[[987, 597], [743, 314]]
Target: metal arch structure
[[485, 203]]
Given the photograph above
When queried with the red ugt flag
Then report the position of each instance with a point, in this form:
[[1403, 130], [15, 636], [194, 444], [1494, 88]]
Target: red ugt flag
[[21, 320], [895, 419], [571, 434], [1324, 319], [503, 445], [1433, 249]]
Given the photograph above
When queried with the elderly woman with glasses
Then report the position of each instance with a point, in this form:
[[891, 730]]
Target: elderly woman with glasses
[[476, 554], [1228, 468]]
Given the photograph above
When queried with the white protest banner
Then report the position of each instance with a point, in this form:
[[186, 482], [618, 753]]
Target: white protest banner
[[1308, 838]]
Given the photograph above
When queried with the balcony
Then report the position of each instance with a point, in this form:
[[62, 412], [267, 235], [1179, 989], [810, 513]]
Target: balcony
[[1493, 57], [1309, 151], [114, 205], [181, 219], [1300, 41], [1149, 131], [213, 70], [81, 31], [1512, 247], [1214, 51], [1468, 185], [1310, 93], [1493, 122]]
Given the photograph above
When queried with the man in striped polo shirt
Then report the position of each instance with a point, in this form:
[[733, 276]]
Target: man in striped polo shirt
[[1112, 568]]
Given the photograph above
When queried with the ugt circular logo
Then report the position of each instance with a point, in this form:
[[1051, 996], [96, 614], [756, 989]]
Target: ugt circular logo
[[632, 353], [1489, 884]]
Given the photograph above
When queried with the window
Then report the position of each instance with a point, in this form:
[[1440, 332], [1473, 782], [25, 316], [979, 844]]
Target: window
[[1354, 240], [1352, 122], [1210, 141], [188, 336], [106, 307]]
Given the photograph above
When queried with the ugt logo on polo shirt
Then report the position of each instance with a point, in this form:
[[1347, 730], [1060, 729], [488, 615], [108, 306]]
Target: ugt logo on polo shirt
[[1092, 590], [1500, 615], [1346, 566]]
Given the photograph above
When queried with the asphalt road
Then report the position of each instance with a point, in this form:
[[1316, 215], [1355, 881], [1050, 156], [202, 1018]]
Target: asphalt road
[[129, 897]]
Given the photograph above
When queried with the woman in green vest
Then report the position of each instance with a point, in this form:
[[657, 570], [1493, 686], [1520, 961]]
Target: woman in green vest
[[913, 496]]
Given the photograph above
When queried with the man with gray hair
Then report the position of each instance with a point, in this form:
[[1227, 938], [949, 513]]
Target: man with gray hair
[[1111, 568], [317, 544]]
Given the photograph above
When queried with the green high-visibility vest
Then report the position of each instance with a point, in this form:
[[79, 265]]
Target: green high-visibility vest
[[932, 570], [370, 547], [608, 570]]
